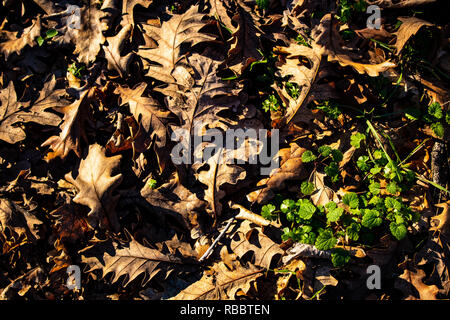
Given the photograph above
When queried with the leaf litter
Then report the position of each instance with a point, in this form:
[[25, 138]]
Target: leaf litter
[[92, 94]]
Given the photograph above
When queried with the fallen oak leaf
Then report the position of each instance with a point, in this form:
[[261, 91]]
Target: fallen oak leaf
[[415, 288], [180, 29], [175, 200], [222, 282], [301, 74], [245, 41], [113, 50], [328, 40], [248, 238], [443, 218], [13, 112], [291, 168], [129, 259], [409, 27], [152, 116], [95, 183], [18, 220], [72, 128], [15, 42], [87, 36]]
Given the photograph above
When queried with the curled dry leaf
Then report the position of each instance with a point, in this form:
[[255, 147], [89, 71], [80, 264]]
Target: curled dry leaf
[[329, 42], [95, 184], [443, 218], [291, 168], [245, 41], [250, 239], [13, 112], [323, 194], [245, 214], [72, 129], [15, 42], [414, 288], [18, 220], [408, 28]]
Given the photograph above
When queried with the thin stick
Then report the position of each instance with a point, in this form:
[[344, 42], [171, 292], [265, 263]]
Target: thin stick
[[211, 248]]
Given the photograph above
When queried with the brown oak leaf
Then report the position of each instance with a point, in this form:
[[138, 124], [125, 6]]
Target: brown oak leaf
[[130, 260], [15, 42], [95, 184], [291, 168], [72, 128]]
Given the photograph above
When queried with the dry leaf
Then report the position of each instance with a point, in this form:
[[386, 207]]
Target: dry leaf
[[180, 29], [95, 183], [72, 129], [129, 259], [408, 28], [15, 42], [323, 194], [114, 49], [18, 220], [414, 288], [248, 239], [13, 112], [328, 40], [291, 168], [223, 284], [443, 218], [87, 37], [245, 41]]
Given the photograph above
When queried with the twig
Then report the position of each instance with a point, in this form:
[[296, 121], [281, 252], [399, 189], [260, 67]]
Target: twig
[[211, 248]]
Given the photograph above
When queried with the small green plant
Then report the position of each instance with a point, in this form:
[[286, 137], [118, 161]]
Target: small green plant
[[357, 219], [76, 69], [152, 183], [349, 222], [49, 34], [304, 41], [262, 4], [434, 117], [348, 8], [292, 89], [328, 157], [330, 108], [271, 104]]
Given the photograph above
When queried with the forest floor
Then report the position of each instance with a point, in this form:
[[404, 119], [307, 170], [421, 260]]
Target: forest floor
[[115, 157]]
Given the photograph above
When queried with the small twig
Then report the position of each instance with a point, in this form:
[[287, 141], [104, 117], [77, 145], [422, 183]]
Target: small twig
[[211, 248]]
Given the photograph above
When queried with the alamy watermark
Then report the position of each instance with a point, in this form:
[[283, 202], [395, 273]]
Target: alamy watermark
[[232, 146], [74, 277], [374, 21]]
